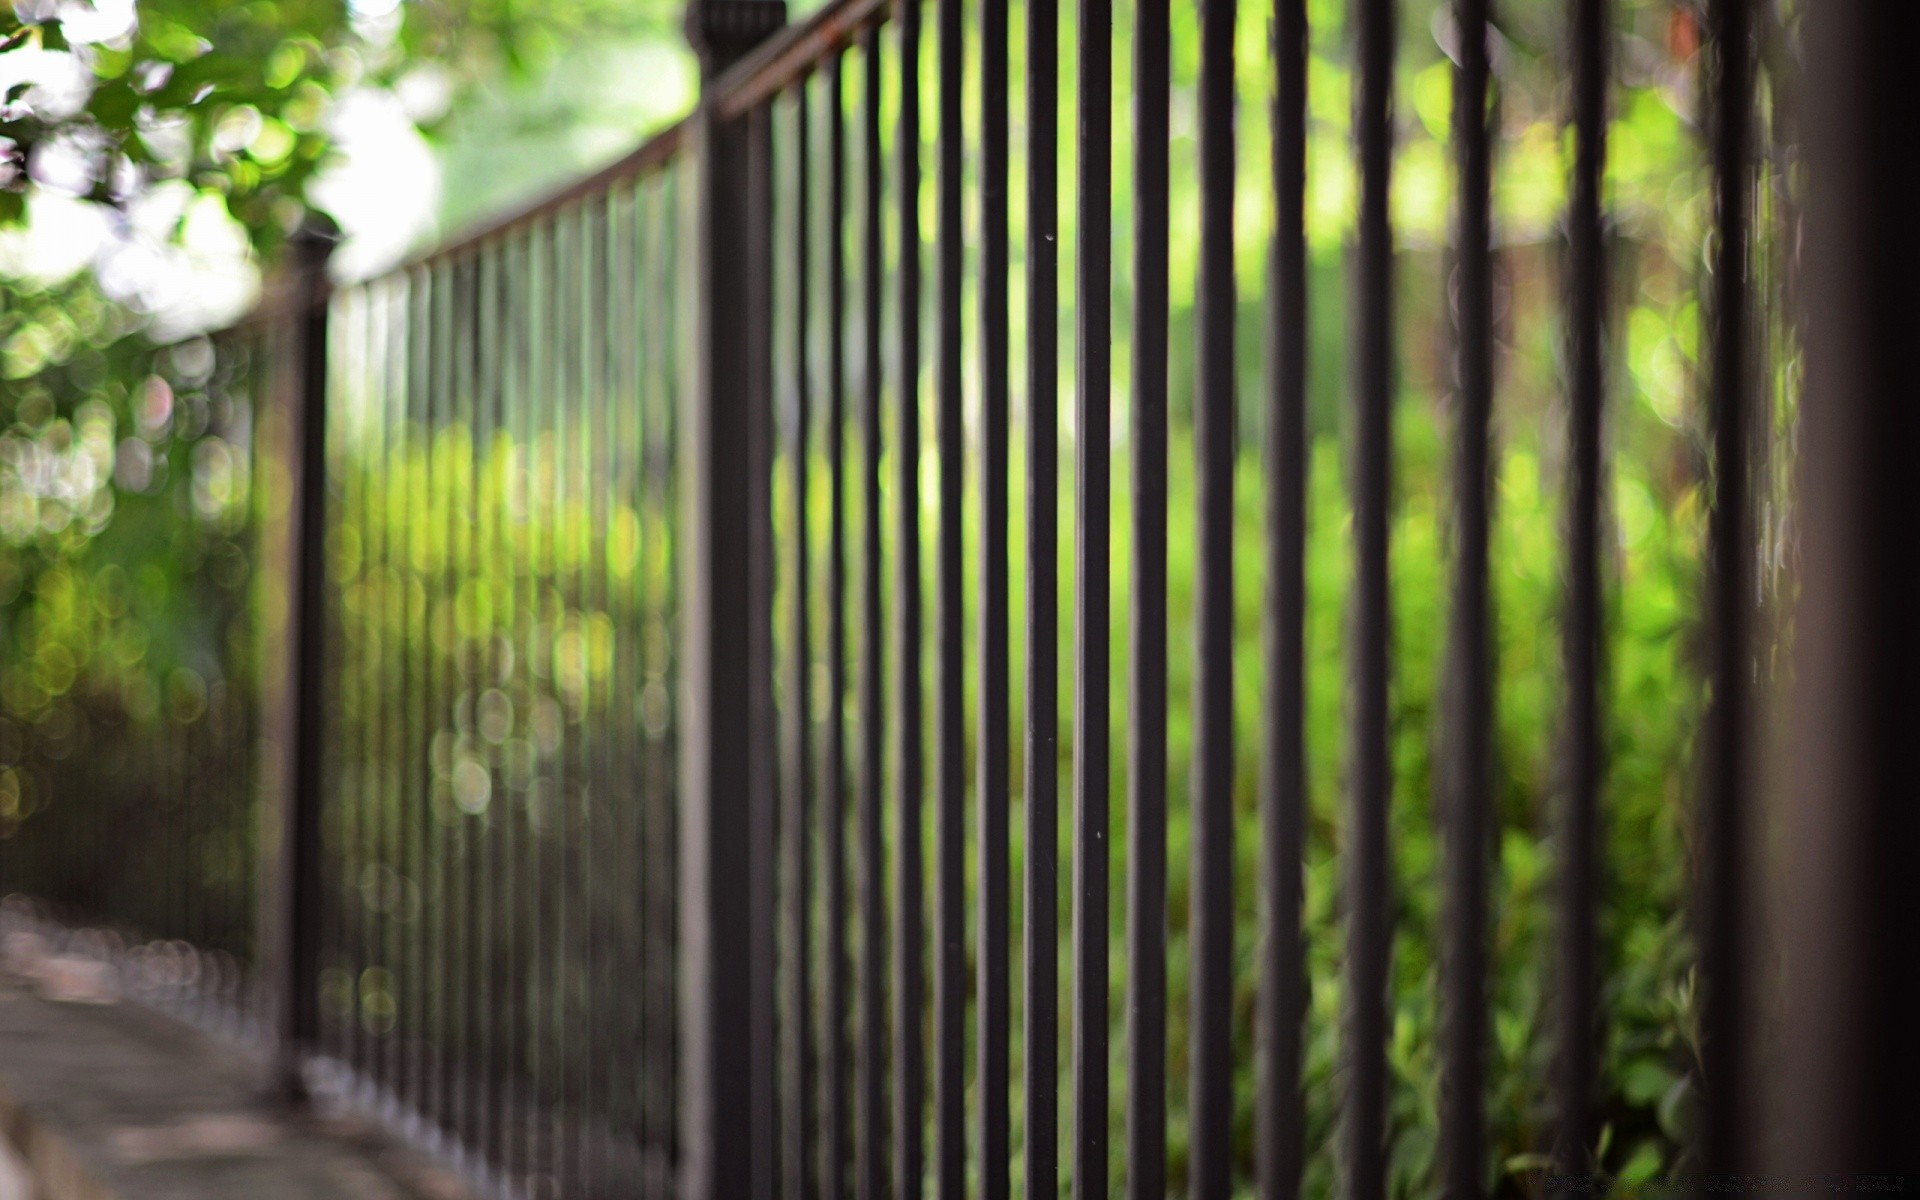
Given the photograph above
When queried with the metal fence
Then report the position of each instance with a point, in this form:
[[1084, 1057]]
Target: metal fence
[[495, 931], [666, 595], [166, 841]]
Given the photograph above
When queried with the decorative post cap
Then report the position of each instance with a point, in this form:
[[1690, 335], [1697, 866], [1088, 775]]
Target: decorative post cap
[[315, 236], [721, 32], [309, 247]]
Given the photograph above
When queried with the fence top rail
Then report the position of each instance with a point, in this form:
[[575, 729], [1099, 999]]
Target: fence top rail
[[280, 293], [784, 60], [657, 151], [791, 55]]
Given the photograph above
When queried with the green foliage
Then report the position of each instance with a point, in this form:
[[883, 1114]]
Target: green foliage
[[228, 97], [232, 98]]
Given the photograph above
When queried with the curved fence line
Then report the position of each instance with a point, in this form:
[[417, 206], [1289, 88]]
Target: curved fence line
[[864, 649]]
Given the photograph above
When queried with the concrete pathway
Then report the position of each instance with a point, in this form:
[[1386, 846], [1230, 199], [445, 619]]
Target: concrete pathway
[[104, 1100]]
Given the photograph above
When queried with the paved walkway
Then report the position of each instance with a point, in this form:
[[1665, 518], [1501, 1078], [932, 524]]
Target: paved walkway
[[103, 1100]]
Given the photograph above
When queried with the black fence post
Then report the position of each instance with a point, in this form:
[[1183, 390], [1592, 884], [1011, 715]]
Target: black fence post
[[295, 897], [727, 735], [1840, 1093]]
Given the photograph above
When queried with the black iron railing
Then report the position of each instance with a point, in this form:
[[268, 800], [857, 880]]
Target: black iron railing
[[138, 804], [657, 610], [495, 933]]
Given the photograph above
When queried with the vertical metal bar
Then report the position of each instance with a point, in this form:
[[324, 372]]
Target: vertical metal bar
[[546, 360], [909, 928], [835, 1133], [431, 532], [660, 446], [571, 409], [623, 986], [462, 515], [1370, 768], [596, 834], [1841, 1102], [515, 298], [950, 885], [417, 768], [195, 926], [1214, 419], [797, 1119], [655, 837], [407, 386], [474, 640], [871, 1179], [765, 722], [629, 760], [516, 839], [369, 679], [485, 881], [668, 323], [422, 912], [603, 829], [727, 776], [382, 933], [436, 915], [1093, 287], [348, 350], [337, 781], [477, 810], [560, 833], [674, 601], [551, 397], [661, 302], [394, 678], [1041, 1020], [716, 924], [1467, 751], [404, 338], [552, 610], [650, 269], [201, 815], [556, 611], [178, 916], [580, 840], [393, 486], [1578, 831], [1723, 812], [1146, 1001], [368, 1058], [540, 405], [301, 887], [552, 402], [1281, 1137], [995, 697], [616, 895], [631, 757]]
